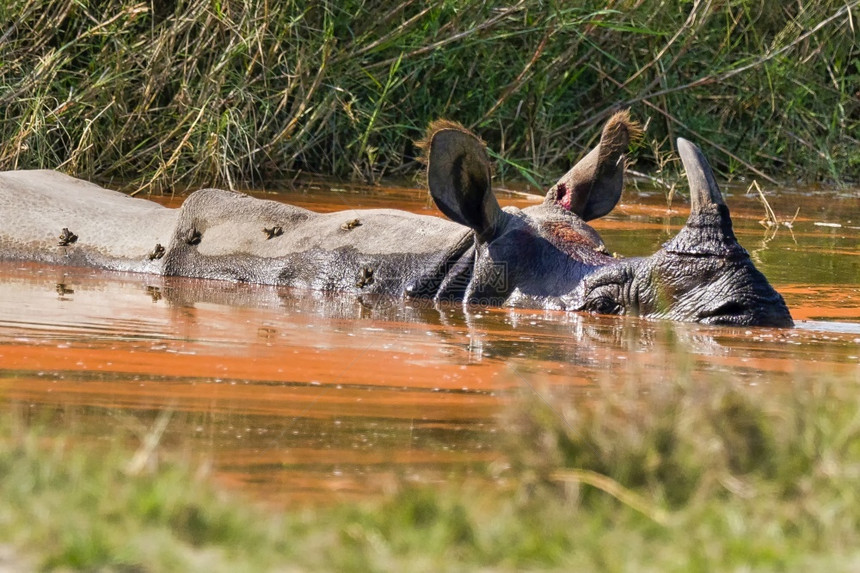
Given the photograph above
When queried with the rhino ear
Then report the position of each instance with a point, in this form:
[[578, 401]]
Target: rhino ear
[[592, 188], [458, 175]]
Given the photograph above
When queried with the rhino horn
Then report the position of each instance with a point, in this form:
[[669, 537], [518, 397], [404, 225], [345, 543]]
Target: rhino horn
[[703, 185], [709, 228]]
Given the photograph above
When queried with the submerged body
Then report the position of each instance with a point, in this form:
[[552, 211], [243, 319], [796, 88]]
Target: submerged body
[[544, 256], [224, 235]]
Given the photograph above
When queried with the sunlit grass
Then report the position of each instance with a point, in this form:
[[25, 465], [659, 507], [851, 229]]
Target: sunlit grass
[[680, 475], [228, 93]]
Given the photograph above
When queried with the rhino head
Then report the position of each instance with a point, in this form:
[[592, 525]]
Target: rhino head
[[548, 256]]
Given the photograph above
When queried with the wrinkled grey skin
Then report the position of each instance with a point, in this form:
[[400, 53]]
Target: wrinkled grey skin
[[544, 256], [703, 274]]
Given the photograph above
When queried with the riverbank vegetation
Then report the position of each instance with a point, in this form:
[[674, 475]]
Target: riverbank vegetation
[[705, 475], [186, 92]]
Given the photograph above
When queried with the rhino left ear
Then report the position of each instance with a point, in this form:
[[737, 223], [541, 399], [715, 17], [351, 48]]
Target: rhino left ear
[[459, 177], [592, 188]]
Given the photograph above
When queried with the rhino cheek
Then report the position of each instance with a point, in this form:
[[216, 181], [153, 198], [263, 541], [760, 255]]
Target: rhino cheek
[[715, 291], [743, 296], [696, 296], [752, 301]]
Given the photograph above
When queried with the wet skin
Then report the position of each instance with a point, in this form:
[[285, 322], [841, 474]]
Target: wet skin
[[545, 256]]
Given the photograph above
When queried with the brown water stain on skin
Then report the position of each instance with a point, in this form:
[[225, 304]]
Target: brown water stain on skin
[[567, 239]]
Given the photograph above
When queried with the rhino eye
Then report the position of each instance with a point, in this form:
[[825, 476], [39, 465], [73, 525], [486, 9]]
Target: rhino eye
[[605, 305]]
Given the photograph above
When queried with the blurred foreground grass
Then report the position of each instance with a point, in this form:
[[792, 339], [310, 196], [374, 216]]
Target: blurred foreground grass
[[189, 92], [703, 475]]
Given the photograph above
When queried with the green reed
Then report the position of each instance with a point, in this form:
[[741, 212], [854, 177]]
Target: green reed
[[187, 92]]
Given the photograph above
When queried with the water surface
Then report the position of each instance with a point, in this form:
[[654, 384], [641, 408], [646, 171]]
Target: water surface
[[297, 397]]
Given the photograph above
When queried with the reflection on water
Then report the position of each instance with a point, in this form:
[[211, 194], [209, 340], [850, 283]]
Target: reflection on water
[[299, 396]]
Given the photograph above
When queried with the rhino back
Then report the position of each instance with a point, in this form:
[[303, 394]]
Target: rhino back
[[114, 231], [226, 235]]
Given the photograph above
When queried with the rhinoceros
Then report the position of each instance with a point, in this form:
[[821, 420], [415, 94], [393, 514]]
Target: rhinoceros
[[543, 256]]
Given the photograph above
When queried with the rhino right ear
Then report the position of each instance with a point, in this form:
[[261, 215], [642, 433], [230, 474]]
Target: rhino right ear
[[592, 188], [459, 177]]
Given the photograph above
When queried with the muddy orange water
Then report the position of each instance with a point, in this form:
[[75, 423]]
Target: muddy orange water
[[296, 396]]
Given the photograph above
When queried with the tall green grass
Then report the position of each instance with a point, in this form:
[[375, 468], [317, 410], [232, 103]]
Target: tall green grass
[[230, 92]]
